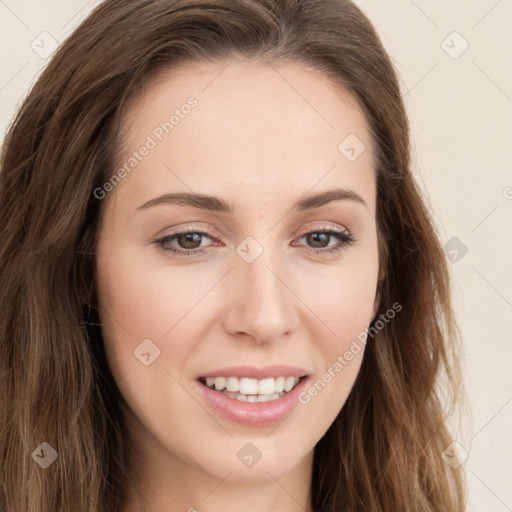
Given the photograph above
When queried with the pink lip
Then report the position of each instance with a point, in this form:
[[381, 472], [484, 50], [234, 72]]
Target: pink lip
[[254, 414], [277, 370]]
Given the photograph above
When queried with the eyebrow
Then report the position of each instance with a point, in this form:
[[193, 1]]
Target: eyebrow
[[215, 204]]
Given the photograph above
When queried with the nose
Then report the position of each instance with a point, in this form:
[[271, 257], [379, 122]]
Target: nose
[[261, 302]]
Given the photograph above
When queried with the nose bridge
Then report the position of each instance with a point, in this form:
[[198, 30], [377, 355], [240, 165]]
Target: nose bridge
[[261, 303]]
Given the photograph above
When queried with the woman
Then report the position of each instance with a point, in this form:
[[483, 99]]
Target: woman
[[221, 285]]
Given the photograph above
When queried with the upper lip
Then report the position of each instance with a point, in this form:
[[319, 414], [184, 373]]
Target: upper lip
[[277, 370]]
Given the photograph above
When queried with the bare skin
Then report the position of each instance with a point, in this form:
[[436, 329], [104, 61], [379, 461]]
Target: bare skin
[[258, 144]]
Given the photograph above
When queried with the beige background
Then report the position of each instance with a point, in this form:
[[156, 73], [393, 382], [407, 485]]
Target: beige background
[[461, 113]]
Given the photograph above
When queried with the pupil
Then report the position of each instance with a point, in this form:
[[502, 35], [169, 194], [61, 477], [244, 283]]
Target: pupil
[[188, 238], [317, 237]]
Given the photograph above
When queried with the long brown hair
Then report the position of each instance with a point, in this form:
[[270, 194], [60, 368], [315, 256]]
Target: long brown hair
[[384, 450]]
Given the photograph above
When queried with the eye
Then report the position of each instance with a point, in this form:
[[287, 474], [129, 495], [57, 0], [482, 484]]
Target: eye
[[189, 241], [319, 237]]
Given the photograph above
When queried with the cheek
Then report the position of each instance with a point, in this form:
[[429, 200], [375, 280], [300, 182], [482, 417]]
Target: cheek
[[344, 303], [346, 310], [140, 302], [137, 309], [342, 296], [129, 314], [145, 302]]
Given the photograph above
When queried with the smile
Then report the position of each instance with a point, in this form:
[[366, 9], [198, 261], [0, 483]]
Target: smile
[[246, 389], [251, 396]]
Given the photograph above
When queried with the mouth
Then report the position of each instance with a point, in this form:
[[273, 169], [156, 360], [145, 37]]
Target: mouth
[[246, 389], [250, 395]]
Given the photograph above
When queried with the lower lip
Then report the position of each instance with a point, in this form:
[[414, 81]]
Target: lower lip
[[248, 413]]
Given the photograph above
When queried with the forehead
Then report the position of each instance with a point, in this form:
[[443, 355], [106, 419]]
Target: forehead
[[254, 126]]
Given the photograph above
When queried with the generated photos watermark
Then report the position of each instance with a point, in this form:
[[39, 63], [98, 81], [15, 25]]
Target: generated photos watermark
[[152, 140], [344, 359]]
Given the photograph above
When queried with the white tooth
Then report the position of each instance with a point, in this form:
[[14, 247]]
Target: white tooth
[[279, 384], [290, 382], [220, 383], [268, 398], [266, 386], [232, 384], [236, 396], [248, 386]]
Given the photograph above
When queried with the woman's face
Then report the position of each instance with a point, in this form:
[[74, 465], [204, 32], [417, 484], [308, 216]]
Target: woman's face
[[256, 288]]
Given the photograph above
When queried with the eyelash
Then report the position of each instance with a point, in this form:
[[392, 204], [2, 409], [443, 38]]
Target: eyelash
[[345, 240]]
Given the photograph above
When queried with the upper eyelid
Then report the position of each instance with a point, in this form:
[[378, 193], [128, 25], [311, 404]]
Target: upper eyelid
[[212, 232]]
